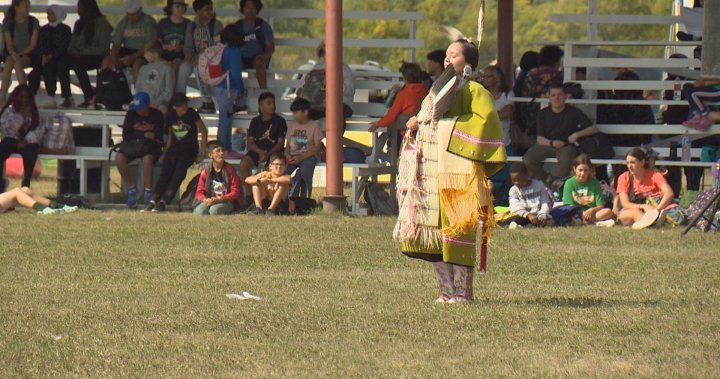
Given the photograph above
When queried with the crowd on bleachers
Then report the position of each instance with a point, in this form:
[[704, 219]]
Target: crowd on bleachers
[[161, 127]]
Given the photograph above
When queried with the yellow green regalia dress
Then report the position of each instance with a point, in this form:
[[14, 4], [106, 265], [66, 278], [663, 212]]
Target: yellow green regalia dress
[[443, 189]]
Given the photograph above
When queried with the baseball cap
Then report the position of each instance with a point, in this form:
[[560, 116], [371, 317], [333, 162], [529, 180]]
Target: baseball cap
[[140, 100], [132, 6]]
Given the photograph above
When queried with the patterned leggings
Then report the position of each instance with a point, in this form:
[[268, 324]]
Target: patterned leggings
[[454, 280]]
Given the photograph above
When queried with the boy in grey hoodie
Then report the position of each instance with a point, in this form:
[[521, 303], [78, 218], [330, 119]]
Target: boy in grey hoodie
[[529, 200], [202, 33], [157, 78]]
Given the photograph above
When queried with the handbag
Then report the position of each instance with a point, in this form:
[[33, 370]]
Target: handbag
[[134, 148]]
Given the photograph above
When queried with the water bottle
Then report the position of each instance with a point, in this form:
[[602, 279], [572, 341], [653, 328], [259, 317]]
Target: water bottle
[[685, 143], [677, 91], [391, 96]]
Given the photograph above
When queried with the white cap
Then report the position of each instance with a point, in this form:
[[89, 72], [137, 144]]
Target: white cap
[[132, 6]]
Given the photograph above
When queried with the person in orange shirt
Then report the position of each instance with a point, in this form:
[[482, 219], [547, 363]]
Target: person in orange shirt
[[270, 189], [408, 99], [635, 186]]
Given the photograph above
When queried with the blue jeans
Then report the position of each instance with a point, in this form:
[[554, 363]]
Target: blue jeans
[[216, 209], [225, 101], [304, 175]]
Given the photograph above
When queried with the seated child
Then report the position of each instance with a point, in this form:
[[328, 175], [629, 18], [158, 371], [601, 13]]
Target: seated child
[[157, 77], [266, 136], [218, 189], [584, 190], [529, 200], [270, 189], [302, 144], [25, 197]]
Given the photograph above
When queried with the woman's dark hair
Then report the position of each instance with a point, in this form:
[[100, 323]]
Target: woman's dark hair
[[550, 55], [265, 95], [582, 159], [529, 60], [11, 13], [168, 8], [280, 156], [258, 5], [231, 35], [300, 104], [437, 56], [470, 52], [638, 154], [86, 23], [501, 78], [20, 93], [411, 72]]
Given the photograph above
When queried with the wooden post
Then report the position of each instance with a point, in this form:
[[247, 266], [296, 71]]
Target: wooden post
[[334, 200], [711, 33], [505, 40]]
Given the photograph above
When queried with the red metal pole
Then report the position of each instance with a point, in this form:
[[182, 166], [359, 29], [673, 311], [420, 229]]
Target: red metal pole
[[334, 199], [505, 39]]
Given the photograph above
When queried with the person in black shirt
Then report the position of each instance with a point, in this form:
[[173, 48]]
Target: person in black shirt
[[559, 126], [183, 124], [142, 126], [266, 136]]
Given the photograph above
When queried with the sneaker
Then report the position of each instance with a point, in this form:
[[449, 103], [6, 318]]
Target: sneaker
[[704, 123], [132, 197], [207, 107], [147, 196], [271, 212], [51, 104], [692, 121], [49, 211], [149, 207], [457, 299], [647, 219], [514, 225], [606, 224], [443, 299], [239, 108], [255, 211], [660, 220], [160, 206], [67, 103], [68, 209]]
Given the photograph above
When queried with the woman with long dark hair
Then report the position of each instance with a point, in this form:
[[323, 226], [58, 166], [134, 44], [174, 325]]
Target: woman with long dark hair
[[19, 126], [20, 34], [451, 148], [89, 44], [635, 187]]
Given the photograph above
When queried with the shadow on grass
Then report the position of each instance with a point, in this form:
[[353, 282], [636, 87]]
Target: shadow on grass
[[576, 302]]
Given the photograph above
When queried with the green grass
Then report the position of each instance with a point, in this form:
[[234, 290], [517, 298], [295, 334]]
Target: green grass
[[118, 294]]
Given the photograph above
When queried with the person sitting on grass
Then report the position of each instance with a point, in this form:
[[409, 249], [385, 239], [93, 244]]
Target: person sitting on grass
[[635, 186], [303, 142], [584, 190], [270, 189], [182, 150], [218, 189], [529, 200], [26, 198], [266, 136]]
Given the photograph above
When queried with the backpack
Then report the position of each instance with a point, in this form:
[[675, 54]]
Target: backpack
[[187, 199], [379, 200], [210, 67], [113, 90], [314, 89], [58, 137], [597, 146]]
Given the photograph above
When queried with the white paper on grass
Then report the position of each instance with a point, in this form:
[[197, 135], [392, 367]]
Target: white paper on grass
[[246, 295]]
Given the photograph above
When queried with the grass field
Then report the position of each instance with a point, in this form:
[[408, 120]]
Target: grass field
[[125, 294]]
